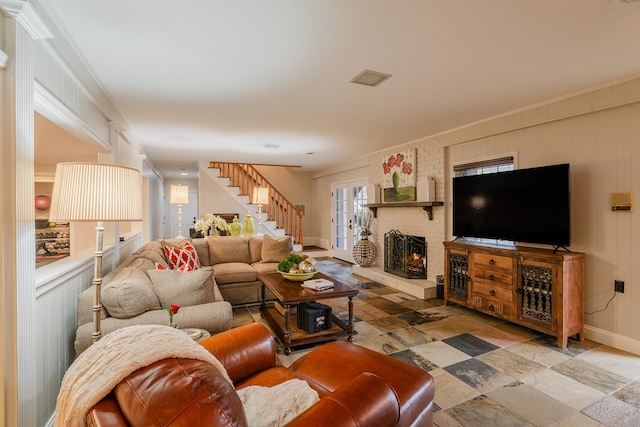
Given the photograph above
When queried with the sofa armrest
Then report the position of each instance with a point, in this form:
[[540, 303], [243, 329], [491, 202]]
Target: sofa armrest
[[244, 350], [106, 413], [346, 407]]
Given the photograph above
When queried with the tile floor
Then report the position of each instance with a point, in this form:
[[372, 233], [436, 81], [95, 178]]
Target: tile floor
[[487, 372]]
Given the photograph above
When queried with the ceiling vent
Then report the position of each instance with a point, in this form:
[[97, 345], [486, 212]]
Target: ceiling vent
[[370, 78]]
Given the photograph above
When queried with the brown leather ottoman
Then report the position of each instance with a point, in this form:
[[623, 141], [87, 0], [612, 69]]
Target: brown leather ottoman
[[328, 367]]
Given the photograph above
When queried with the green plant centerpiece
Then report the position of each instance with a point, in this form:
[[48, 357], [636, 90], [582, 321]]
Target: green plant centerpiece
[[296, 268]]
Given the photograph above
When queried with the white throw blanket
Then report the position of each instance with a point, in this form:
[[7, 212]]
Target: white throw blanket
[[276, 406], [110, 360]]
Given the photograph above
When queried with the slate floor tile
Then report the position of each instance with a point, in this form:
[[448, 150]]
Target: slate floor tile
[[470, 344], [487, 372]]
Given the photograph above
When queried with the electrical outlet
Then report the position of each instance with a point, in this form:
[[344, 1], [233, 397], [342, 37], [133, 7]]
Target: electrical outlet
[[618, 286]]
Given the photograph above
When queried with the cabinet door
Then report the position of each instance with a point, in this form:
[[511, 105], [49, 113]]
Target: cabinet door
[[457, 276], [537, 293]]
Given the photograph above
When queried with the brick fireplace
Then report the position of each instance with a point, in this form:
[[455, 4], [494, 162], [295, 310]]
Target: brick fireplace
[[405, 255]]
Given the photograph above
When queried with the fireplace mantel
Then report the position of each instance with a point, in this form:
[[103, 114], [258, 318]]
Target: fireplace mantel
[[427, 206]]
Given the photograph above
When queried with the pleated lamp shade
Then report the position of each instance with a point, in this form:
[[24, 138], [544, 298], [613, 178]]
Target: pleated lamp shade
[[261, 195], [179, 195], [96, 192]]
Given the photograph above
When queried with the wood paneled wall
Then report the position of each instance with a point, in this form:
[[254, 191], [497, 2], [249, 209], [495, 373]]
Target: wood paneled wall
[[598, 133]]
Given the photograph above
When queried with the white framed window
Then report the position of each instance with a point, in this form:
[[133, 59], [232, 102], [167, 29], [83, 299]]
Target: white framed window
[[481, 167]]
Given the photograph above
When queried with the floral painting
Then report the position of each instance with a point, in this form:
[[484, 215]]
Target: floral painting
[[399, 182]]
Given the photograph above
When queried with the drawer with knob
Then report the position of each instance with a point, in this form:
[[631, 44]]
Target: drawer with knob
[[491, 290], [495, 275], [493, 260]]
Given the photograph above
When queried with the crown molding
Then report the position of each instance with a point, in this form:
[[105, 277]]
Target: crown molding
[[24, 13]]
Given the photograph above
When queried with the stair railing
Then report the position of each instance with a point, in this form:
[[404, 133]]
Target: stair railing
[[280, 209]]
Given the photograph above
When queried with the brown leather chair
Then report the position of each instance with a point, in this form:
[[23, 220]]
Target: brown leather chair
[[357, 386]]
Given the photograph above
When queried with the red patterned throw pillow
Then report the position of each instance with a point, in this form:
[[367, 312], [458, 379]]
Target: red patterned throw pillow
[[183, 259]]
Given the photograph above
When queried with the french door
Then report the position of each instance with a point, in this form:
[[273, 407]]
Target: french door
[[348, 215]]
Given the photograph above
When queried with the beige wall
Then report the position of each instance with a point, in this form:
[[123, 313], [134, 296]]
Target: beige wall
[[598, 133], [294, 185]]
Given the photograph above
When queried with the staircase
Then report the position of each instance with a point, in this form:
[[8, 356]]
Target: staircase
[[280, 210]]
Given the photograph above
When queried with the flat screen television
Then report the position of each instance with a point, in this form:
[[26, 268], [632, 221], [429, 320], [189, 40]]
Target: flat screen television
[[524, 205]]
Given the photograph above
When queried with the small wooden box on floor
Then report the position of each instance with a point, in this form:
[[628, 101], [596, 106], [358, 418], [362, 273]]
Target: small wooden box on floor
[[541, 289]]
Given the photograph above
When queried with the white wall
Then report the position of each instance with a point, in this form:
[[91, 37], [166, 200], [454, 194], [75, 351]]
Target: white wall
[[414, 221], [320, 232], [39, 312], [214, 199]]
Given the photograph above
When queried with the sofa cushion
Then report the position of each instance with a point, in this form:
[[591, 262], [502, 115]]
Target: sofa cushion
[[231, 272], [152, 251], [142, 264], [184, 258], [128, 293], [255, 248], [228, 249], [202, 248], [265, 267], [275, 249], [183, 288]]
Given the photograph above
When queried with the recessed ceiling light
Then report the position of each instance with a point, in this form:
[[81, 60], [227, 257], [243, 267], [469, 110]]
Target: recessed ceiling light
[[183, 172], [370, 78], [310, 152], [271, 146]]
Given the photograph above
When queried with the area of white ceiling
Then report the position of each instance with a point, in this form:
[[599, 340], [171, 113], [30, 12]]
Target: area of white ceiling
[[219, 80], [53, 145]]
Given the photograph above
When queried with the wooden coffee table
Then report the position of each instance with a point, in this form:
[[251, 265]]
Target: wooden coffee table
[[290, 293]]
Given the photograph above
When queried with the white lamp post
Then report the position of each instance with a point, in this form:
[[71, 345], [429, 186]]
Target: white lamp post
[[179, 196]]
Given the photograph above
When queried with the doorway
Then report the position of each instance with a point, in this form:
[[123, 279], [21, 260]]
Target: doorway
[[348, 216], [189, 213]]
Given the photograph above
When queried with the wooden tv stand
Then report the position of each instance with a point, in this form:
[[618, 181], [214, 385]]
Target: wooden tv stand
[[541, 289]]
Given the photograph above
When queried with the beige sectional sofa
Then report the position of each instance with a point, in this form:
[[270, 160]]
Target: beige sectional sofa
[[229, 266]]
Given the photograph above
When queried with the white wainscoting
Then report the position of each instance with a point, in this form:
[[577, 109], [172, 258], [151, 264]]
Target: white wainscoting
[[57, 289]]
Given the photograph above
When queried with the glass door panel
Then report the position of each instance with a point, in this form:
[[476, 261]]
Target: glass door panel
[[349, 216]]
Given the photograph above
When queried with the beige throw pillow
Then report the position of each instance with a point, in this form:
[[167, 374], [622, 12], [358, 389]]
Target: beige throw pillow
[[275, 249], [183, 288], [129, 293], [228, 249]]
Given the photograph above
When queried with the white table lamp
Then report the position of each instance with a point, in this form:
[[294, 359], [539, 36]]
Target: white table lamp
[[97, 193], [260, 197], [179, 196]]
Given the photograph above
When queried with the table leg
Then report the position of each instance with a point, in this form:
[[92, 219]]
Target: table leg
[[350, 324], [263, 304], [287, 329]]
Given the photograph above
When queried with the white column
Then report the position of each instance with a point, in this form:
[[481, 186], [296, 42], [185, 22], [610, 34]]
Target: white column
[[20, 26]]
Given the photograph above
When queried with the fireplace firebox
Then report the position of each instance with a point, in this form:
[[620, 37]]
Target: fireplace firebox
[[405, 255]]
